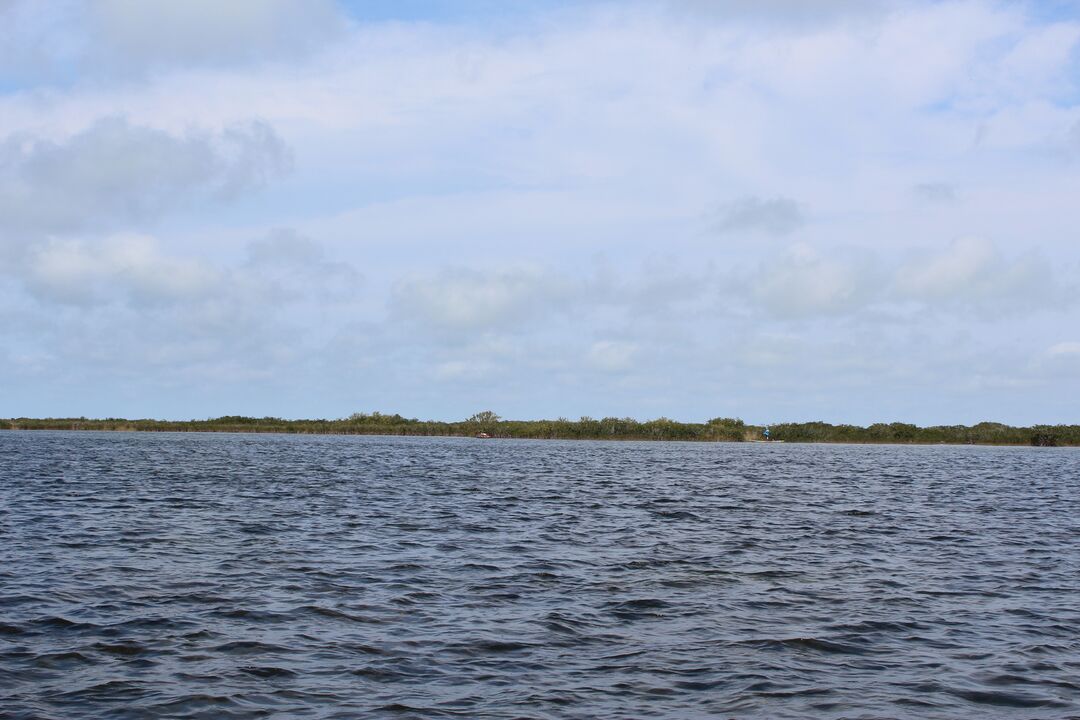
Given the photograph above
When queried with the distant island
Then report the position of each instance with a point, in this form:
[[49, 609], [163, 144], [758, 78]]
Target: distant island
[[489, 425]]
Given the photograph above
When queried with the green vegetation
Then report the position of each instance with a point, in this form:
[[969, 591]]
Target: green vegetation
[[984, 433], [586, 428]]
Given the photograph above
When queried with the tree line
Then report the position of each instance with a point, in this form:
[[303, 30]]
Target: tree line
[[585, 428]]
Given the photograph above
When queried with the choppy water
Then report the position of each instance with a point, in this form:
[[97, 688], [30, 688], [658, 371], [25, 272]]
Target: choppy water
[[227, 576]]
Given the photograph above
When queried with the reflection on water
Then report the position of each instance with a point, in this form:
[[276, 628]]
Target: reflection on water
[[246, 576]]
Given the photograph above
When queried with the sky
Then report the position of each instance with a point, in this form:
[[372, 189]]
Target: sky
[[779, 210]]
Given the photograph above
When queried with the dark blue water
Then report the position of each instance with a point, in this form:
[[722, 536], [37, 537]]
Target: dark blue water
[[224, 576]]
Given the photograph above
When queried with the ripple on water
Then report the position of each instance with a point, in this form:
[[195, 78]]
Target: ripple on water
[[247, 576]]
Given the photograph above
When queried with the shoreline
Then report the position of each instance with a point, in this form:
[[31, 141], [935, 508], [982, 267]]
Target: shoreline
[[86, 426]]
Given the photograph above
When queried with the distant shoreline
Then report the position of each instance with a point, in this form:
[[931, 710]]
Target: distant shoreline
[[908, 443], [662, 429]]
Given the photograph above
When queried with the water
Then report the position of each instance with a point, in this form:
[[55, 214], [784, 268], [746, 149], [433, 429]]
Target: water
[[227, 576]]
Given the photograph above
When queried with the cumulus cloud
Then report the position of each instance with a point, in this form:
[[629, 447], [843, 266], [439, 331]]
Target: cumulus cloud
[[462, 301], [775, 216], [782, 12], [282, 268], [284, 247], [935, 193], [1061, 359], [612, 355], [970, 274], [114, 173], [804, 281], [133, 308], [488, 165], [291, 265], [1064, 350], [1072, 143], [157, 32], [973, 272], [75, 272], [44, 42]]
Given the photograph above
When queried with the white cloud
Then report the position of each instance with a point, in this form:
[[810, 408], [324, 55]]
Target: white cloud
[[935, 193], [282, 269], [803, 282], [972, 271], [542, 184], [132, 266], [1042, 56], [970, 274], [612, 356], [288, 265], [284, 247], [1058, 362], [775, 216], [57, 42], [209, 32], [461, 301], [115, 173], [1064, 350], [782, 12], [125, 307], [1072, 140]]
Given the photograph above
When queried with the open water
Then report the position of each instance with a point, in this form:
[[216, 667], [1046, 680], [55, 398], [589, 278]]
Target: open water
[[228, 576]]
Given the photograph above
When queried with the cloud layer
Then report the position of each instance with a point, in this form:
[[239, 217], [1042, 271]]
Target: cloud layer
[[848, 211], [114, 173]]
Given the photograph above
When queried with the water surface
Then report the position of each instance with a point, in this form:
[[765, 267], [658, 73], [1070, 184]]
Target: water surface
[[240, 576]]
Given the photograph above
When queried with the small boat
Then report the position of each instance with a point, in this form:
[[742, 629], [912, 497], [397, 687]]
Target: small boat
[[483, 435]]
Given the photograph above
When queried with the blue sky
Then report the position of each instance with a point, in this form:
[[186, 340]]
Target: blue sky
[[777, 210]]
